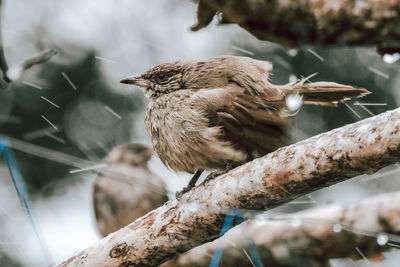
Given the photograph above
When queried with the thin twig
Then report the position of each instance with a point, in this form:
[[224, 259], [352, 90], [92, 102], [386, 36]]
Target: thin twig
[[3, 62], [15, 72]]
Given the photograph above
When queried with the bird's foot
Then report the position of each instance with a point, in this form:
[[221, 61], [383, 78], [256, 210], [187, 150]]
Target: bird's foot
[[214, 175], [228, 167], [184, 190], [192, 183], [187, 188]]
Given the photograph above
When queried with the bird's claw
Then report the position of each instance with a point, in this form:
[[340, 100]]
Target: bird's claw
[[212, 176], [209, 177], [179, 194]]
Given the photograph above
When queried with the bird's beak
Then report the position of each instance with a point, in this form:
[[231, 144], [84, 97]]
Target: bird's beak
[[138, 81]]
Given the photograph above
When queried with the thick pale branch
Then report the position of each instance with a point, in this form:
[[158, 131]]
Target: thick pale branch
[[296, 22], [264, 183], [315, 235]]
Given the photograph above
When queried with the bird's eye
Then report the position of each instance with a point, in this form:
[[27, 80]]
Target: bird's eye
[[162, 76]]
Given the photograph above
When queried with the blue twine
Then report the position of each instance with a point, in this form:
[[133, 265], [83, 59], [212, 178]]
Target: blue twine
[[225, 227], [23, 195], [255, 256], [229, 219], [22, 192], [3, 144]]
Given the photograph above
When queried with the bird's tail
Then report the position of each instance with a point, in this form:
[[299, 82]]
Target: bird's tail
[[324, 93]]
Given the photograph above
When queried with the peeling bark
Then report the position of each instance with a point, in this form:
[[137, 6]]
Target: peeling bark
[[264, 183], [298, 22], [312, 237]]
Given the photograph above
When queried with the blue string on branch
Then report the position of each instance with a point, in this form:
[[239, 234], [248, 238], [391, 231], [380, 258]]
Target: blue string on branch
[[22, 192], [228, 223]]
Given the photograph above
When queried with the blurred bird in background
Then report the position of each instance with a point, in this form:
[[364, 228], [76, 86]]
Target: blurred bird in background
[[126, 189], [222, 112]]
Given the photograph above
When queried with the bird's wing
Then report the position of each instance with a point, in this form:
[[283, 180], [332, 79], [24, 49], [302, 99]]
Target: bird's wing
[[250, 122]]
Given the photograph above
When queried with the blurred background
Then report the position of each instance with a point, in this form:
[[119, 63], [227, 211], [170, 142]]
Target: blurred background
[[75, 105]]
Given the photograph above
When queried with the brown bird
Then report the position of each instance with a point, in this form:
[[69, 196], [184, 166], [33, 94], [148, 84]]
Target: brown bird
[[126, 189], [222, 112]]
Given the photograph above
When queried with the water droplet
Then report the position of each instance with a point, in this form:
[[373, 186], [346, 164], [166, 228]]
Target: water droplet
[[390, 59], [382, 239], [293, 102], [14, 72], [292, 52], [337, 227], [292, 78], [296, 222]]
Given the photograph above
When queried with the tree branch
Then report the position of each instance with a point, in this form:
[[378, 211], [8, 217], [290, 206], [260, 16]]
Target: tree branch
[[13, 73], [315, 235], [326, 22], [3, 62], [264, 183]]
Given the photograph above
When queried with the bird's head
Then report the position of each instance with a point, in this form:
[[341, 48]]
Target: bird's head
[[211, 73], [161, 79], [134, 154]]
